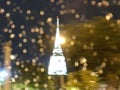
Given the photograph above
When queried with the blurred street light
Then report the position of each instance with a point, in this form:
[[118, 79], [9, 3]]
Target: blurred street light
[[3, 75]]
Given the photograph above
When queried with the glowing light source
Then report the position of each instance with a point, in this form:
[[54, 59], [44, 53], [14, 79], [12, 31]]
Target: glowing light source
[[3, 75], [12, 57], [62, 40], [42, 13]]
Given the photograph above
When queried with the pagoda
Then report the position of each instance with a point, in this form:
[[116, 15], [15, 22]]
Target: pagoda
[[57, 64]]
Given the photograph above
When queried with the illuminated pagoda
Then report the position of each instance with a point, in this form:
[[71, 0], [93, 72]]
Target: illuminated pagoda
[[57, 64]]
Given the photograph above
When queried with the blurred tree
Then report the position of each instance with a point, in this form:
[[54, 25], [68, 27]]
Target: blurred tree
[[112, 81], [32, 75], [83, 79], [98, 41]]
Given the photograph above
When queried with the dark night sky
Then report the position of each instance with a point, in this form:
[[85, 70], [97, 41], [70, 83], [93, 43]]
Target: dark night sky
[[29, 19]]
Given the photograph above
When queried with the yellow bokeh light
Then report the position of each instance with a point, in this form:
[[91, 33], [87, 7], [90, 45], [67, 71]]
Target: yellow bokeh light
[[77, 16], [52, 1], [13, 79], [13, 26], [12, 36], [24, 40], [93, 2], [109, 16], [76, 64], [17, 63], [42, 13], [20, 45], [73, 11], [22, 26], [62, 40], [28, 11], [2, 10], [49, 20], [24, 50], [42, 69], [12, 57], [33, 40], [7, 14], [8, 3]]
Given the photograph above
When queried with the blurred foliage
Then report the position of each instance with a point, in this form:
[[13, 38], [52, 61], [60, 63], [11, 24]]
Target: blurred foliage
[[32, 75], [97, 40], [83, 79], [112, 80]]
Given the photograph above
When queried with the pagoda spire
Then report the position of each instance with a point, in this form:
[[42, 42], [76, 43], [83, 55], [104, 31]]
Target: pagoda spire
[[57, 37], [57, 44]]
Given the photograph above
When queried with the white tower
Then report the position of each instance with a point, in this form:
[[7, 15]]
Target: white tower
[[57, 64]]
